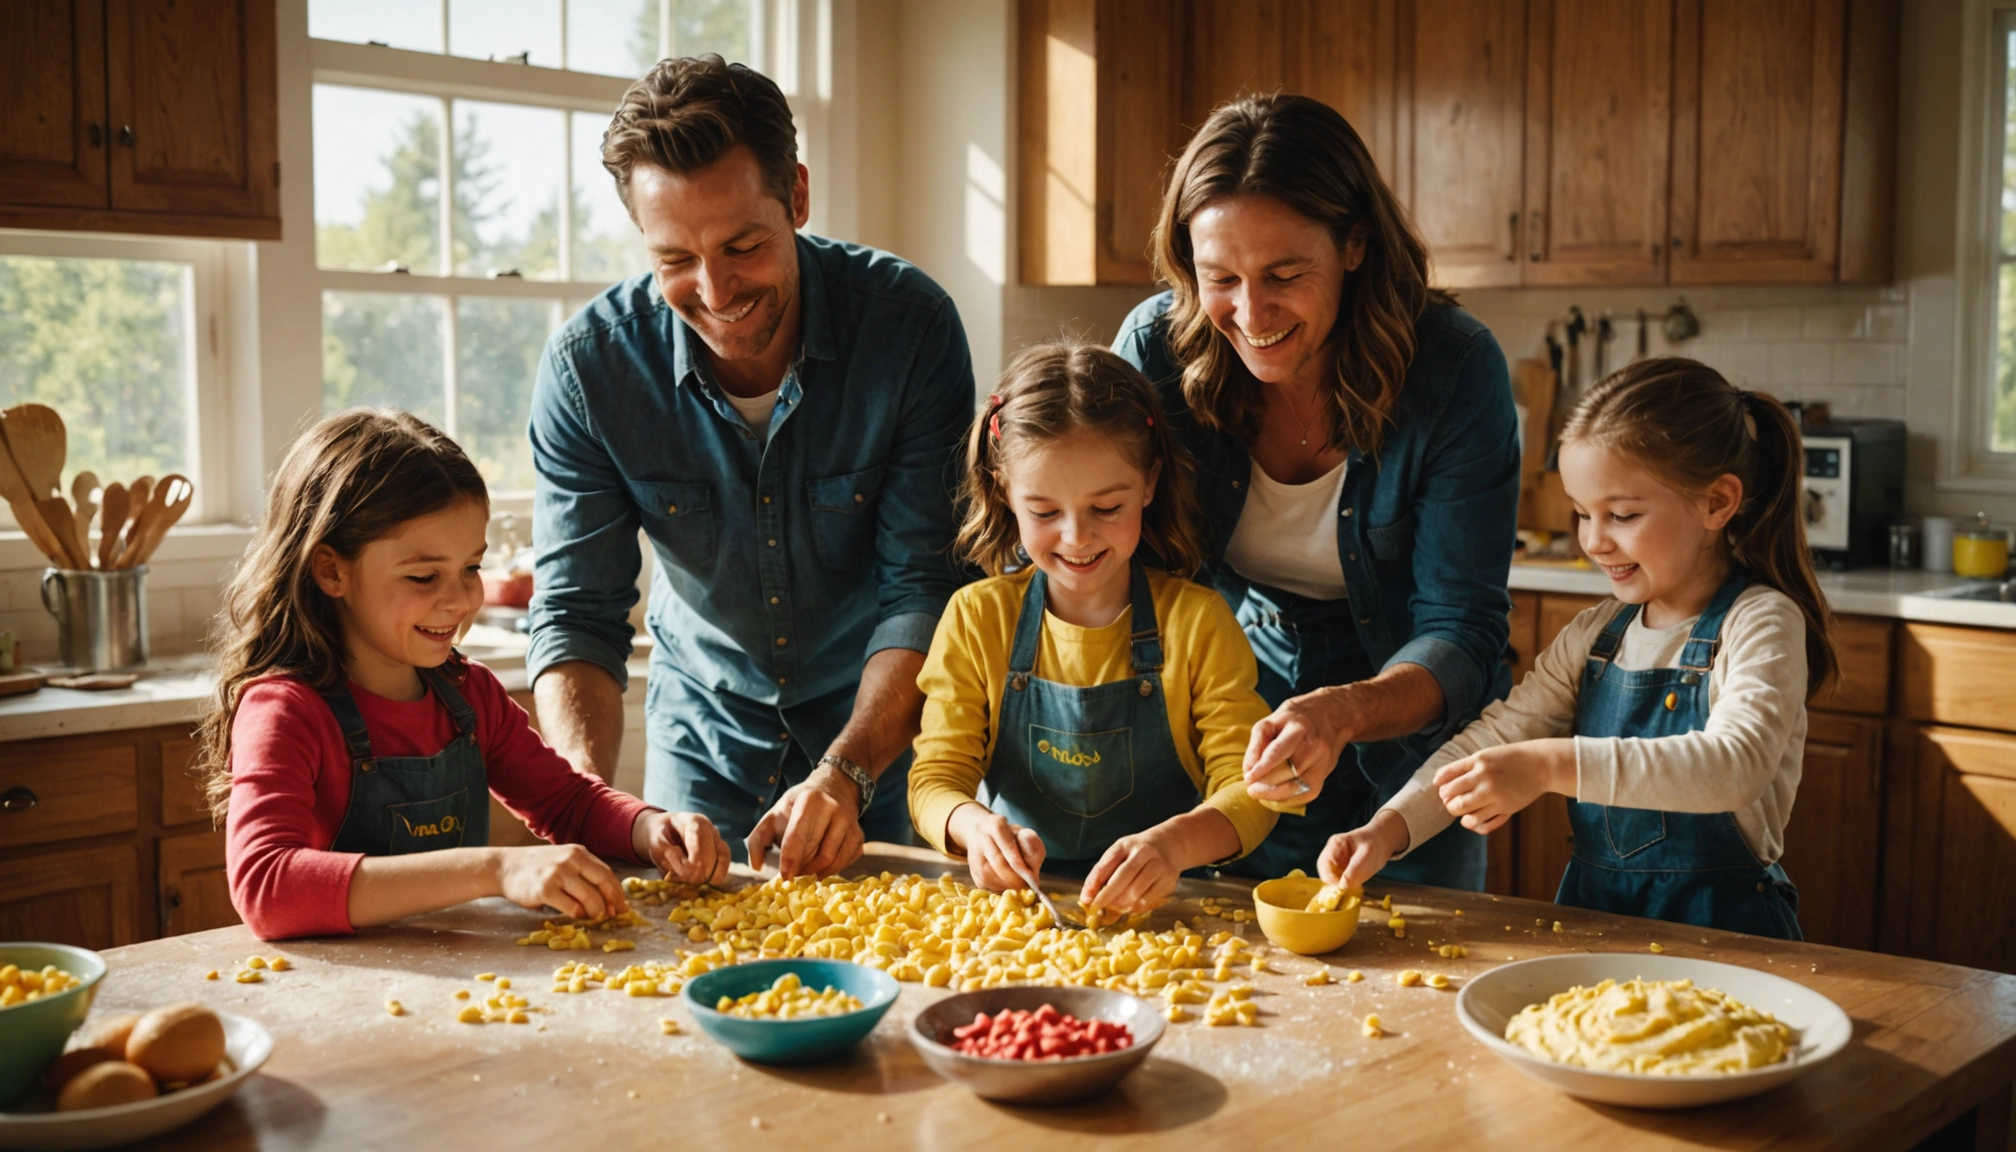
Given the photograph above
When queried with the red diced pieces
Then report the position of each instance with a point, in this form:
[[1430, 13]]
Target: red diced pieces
[[1045, 1034]]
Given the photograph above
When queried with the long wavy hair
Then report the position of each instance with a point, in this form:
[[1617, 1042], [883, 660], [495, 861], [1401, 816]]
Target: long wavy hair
[[351, 479], [1301, 152], [1682, 422], [1048, 392]]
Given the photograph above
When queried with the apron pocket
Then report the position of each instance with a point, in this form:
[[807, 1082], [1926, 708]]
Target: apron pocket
[[1632, 830], [426, 825], [1083, 773]]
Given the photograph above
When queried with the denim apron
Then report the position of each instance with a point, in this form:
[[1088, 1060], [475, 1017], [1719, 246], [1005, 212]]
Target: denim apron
[[1083, 767], [401, 804], [1686, 867]]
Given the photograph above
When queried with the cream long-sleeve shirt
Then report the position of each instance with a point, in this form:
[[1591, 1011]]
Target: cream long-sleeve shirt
[[1745, 760]]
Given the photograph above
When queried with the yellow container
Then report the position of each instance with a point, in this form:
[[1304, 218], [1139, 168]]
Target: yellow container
[[1981, 552], [1279, 904]]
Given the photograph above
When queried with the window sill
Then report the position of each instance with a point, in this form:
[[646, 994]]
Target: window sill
[[186, 542]]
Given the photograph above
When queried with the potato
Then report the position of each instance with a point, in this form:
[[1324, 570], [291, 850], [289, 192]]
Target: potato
[[96, 1043], [104, 1085], [70, 1063], [179, 1044]]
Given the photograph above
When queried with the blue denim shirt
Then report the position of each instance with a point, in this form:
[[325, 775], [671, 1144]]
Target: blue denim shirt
[[1424, 532], [784, 562]]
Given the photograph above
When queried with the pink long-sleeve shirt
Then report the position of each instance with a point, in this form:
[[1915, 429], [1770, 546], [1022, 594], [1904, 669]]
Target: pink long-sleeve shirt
[[290, 787]]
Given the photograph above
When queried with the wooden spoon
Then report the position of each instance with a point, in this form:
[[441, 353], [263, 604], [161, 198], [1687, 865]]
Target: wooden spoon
[[111, 519], [56, 514], [85, 492], [170, 499], [136, 502], [35, 433], [14, 490]]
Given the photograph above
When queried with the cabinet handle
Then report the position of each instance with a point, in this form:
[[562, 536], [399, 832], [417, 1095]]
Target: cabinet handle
[[1534, 239], [1512, 243], [126, 135], [1676, 243], [97, 136], [17, 800]]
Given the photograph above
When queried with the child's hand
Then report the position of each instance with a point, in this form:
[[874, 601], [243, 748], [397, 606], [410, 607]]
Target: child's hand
[[1485, 788], [1351, 858], [995, 848], [566, 877], [684, 845], [1135, 875]]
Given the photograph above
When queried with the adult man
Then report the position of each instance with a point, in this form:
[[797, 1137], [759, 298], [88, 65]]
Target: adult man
[[779, 414]]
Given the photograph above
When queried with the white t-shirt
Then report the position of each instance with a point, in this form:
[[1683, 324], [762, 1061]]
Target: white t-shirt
[[755, 410], [1745, 760], [1287, 535]]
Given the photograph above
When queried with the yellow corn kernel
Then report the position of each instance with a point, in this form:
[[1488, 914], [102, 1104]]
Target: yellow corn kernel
[[1372, 1027], [1317, 978], [256, 962], [486, 976], [470, 1015], [210, 975], [1557, 926], [280, 964], [1438, 980], [503, 982], [461, 994], [1409, 978], [1355, 976], [1655, 947], [249, 976], [668, 1027], [394, 1008], [518, 1016]]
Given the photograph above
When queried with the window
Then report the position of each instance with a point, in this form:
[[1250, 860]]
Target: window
[[2001, 423], [461, 216]]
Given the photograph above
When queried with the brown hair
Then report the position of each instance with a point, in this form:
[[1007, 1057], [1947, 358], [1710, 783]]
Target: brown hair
[[1686, 425], [1301, 152], [351, 479], [689, 110], [1050, 391]]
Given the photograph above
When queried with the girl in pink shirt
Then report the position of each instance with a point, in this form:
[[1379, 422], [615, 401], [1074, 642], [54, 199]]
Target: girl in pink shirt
[[351, 751]]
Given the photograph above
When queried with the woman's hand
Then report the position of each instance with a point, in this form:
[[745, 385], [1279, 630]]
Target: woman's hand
[[684, 845], [1485, 788], [1351, 858], [1136, 874], [566, 877], [1304, 736], [998, 853]]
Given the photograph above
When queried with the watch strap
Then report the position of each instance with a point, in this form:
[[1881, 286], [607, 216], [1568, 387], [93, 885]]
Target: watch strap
[[859, 775]]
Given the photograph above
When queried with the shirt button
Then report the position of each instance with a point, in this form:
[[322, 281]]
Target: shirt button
[[1364, 619], [773, 542], [773, 599], [1353, 556], [781, 736], [1238, 484], [671, 509], [783, 679], [766, 499], [858, 498], [1347, 513], [781, 641]]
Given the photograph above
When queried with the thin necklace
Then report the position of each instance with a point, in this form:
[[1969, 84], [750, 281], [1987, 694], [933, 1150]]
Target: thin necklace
[[1297, 416]]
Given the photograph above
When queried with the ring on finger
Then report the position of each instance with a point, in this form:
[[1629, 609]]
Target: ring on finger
[[1301, 785]]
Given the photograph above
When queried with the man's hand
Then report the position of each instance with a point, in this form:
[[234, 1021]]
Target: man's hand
[[684, 845], [816, 824], [1485, 788]]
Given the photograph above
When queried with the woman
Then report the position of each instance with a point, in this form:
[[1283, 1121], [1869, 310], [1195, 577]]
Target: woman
[[1358, 465]]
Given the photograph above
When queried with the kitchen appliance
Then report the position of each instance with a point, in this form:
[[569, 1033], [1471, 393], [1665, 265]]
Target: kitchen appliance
[[1854, 489]]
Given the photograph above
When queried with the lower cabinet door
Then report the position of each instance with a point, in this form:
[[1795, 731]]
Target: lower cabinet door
[[88, 897], [195, 895], [1835, 834]]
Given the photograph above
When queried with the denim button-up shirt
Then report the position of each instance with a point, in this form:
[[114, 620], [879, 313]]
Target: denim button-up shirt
[[785, 561], [1424, 531]]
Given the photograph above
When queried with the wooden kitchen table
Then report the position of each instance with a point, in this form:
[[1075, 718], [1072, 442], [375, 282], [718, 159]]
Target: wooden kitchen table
[[1932, 1042]]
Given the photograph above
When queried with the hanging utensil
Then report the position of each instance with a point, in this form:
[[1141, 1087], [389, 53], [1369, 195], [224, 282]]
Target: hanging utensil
[[14, 490], [1680, 324], [1571, 386], [1605, 333], [111, 518], [169, 500], [1644, 335], [85, 493]]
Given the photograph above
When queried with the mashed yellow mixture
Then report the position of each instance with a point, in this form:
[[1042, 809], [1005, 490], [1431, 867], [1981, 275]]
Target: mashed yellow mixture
[[1655, 1027]]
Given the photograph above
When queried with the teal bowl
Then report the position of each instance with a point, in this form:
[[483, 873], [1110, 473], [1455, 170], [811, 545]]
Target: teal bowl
[[32, 1035], [790, 1041]]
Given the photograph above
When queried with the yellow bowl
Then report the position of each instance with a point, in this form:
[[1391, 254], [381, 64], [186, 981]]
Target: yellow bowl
[[1279, 904]]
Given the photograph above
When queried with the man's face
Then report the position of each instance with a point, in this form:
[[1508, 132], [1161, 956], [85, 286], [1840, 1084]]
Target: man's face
[[723, 248]]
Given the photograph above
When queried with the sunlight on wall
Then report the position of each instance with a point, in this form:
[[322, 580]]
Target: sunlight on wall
[[986, 214]]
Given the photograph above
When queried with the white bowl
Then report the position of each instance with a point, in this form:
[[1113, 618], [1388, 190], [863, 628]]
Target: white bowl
[[1489, 1001], [246, 1047]]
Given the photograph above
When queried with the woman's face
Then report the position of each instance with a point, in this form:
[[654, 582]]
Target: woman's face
[[1270, 279]]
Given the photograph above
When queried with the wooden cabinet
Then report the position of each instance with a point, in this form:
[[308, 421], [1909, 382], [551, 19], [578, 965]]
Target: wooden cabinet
[[1834, 838], [138, 116], [1954, 898], [89, 898], [62, 789], [194, 894]]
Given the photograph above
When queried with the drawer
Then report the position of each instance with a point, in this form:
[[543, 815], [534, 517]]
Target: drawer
[[1862, 649], [1958, 675], [181, 794], [64, 789]]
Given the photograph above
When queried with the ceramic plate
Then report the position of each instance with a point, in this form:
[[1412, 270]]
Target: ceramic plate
[[1490, 1000], [246, 1047]]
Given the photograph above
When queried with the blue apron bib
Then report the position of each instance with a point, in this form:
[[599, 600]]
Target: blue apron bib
[[401, 804], [1085, 766], [1686, 867]]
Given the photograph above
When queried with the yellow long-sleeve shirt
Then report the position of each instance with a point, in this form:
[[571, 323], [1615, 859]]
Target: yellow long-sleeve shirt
[[1208, 679]]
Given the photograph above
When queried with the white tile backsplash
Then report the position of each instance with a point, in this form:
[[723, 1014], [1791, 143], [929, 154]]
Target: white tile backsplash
[[182, 596]]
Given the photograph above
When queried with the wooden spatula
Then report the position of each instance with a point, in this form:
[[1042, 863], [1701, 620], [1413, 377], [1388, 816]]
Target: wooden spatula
[[56, 514], [137, 495], [14, 490], [111, 518], [85, 493], [35, 433], [170, 499]]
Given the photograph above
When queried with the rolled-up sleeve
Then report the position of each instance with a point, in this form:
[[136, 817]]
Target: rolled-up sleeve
[[1466, 513], [584, 531], [915, 573]]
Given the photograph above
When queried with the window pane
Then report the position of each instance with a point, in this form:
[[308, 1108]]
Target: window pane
[[400, 23], [607, 245], [501, 29], [700, 26], [499, 342], [384, 351], [2002, 438], [106, 344], [613, 37], [377, 179], [508, 165]]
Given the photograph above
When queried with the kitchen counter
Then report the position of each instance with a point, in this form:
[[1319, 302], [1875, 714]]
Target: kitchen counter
[[1931, 1043], [1903, 594]]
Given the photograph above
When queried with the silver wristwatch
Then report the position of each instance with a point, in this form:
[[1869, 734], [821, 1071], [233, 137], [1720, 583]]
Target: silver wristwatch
[[854, 772]]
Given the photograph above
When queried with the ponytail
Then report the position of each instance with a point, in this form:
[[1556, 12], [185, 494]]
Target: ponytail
[[1684, 423]]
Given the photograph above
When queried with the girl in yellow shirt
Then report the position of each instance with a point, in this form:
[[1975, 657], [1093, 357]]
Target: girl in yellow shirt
[[1088, 714]]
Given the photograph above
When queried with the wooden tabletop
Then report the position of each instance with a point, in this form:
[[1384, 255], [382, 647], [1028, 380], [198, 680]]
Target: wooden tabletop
[[1931, 1042]]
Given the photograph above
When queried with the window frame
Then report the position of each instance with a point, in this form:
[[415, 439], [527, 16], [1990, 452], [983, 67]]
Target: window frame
[[1968, 460]]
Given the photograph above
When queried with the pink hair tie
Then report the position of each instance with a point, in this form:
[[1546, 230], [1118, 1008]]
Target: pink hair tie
[[1151, 421]]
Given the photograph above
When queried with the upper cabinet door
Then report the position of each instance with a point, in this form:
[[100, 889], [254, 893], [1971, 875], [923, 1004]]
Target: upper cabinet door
[[1140, 131], [1460, 161], [1598, 133], [193, 111], [1342, 53], [1757, 135], [52, 84]]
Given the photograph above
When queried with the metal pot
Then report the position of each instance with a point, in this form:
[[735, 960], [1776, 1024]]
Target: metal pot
[[101, 617]]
